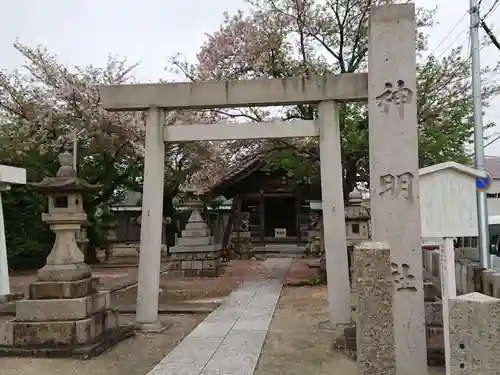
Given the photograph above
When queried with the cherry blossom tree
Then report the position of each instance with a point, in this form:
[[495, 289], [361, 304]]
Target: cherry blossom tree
[[284, 38], [44, 104]]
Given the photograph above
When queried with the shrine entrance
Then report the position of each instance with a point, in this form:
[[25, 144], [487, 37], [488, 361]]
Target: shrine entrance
[[389, 87], [280, 219]]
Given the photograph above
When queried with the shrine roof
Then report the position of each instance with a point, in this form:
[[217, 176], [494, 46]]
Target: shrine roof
[[242, 169], [451, 165]]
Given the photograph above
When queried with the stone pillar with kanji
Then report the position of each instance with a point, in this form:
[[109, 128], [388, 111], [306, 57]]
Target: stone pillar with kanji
[[66, 314]]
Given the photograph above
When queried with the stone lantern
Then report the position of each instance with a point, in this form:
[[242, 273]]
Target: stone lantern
[[66, 217], [108, 226], [65, 314], [357, 225], [195, 253], [357, 219]]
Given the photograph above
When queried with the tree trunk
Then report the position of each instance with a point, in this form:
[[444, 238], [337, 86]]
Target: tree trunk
[[350, 178], [169, 211], [230, 222]]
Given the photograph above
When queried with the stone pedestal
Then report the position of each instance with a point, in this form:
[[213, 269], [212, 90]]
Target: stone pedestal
[[375, 319], [196, 253], [65, 314], [63, 318], [243, 249], [109, 228], [314, 241], [474, 334]]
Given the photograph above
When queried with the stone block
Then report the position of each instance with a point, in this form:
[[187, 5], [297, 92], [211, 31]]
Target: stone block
[[213, 255], [435, 339], [52, 333], [7, 333], [61, 309], [53, 309], [64, 272], [57, 333], [196, 233], [195, 241], [474, 334], [201, 273], [101, 301], [194, 249], [495, 279], [202, 256], [175, 265], [473, 277], [433, 313], [211, 264], [178, 256], [245, 235], [376, 352], [111, 320], [6, 298], [430, 291], [187, 265], [196, 264], [486, 280], [435, 270], [63, 289], [196, 225]]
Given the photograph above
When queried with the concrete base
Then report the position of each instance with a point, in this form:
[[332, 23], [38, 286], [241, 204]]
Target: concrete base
[[81, 351], [152, 327]]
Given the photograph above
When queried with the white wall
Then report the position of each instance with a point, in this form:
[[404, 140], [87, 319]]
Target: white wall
[[494, 202]]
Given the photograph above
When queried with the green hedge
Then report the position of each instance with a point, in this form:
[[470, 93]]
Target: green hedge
[[29, 239]]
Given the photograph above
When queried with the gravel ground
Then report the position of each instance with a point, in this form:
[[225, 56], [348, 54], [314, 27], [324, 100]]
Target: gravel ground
[[295, 345]]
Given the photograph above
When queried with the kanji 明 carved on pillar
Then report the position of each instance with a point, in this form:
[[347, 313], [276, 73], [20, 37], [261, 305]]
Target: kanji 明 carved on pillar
[[396, 185], [398, 97]]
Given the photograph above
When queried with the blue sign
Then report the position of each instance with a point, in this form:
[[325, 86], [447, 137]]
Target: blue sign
[[484, 183]]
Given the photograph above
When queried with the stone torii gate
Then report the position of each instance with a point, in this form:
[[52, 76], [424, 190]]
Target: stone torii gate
[[390, 89]]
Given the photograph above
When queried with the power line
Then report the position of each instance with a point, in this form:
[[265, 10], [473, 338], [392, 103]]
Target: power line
[[449, 34], [488, 13], [451, 44], [492, 8]]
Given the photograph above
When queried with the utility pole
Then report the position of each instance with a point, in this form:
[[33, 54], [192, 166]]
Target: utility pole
[[482, 208]]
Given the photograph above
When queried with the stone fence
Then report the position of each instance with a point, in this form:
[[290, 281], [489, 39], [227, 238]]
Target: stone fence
[[469, 276]]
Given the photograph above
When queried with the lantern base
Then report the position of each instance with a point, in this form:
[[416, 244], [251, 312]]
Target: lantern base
[[64, 272]]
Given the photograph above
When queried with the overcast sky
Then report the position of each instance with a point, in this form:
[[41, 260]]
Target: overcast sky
[[85, 32]]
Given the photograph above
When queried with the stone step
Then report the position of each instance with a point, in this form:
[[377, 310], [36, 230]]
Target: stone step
[[283, 255], [279, 249]]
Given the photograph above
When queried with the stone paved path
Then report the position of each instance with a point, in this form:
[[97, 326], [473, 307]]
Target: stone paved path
[[230, 339]]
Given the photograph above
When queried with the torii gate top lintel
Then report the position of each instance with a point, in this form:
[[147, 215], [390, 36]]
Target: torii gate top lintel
[[245, 93]]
